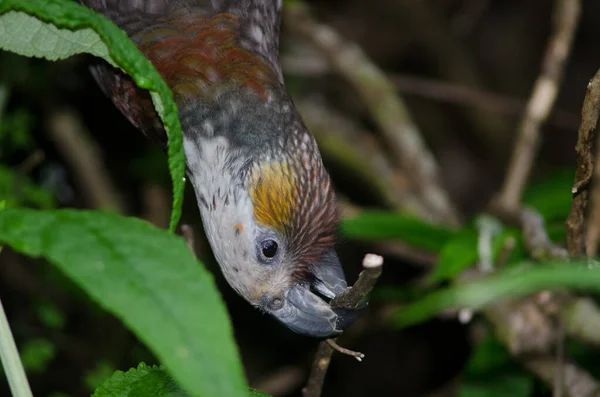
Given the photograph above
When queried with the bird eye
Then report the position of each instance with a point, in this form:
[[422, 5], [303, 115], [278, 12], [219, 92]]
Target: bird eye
[[269, 248]]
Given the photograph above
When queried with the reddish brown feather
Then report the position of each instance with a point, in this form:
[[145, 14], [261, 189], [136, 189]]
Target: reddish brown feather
[[204, 54]]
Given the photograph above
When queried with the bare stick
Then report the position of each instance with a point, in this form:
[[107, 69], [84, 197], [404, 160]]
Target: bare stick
[[461, 94], [536, 238], [559, 374], [545, 91], [350, 298], [337, 137], [386, 107], [592, 238], [187, 232], [576, 222], [11, 361], [79, 150], [576, 381], [357, 355]]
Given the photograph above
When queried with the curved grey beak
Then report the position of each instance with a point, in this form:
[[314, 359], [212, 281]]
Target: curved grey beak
[[305, 312]]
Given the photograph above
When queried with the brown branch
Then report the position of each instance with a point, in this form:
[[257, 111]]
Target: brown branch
[[461, 94], [187, 232], [592, 237], [350, 298], [559, 363], [545, 91], [86, 162], [386, 107], [452, 60], [357, 355], [576, 381], [438, 90], [536, 238], [343, 142], [576, 222], [156, 204]]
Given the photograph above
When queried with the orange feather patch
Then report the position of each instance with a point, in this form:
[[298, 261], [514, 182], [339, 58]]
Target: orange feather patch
[[273, 192]]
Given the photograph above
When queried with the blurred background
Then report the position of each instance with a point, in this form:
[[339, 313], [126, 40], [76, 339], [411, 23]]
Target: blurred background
[[465, 69]]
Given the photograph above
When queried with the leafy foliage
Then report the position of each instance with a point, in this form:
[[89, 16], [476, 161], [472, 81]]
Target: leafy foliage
[[552, 196], [57, 29], [521, 280], [17, 190], [490, 372], [381, 225], [146, 381], [146, 277], [36, 354], [461, 252]]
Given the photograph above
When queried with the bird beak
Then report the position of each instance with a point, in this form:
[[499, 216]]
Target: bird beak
[[306, 313]]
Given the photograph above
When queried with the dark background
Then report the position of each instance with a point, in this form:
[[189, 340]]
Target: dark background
[[492, 46]]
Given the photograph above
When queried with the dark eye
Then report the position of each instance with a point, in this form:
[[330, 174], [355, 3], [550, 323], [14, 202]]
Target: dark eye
[[268, 248]]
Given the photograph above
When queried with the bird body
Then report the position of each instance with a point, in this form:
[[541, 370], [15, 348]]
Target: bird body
[[266, 200]]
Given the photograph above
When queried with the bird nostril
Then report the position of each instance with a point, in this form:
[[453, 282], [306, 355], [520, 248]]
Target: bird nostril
[[276, 304]]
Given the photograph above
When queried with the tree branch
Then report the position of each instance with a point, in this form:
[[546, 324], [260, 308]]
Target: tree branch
[[576, 222], [349, 298], [543, 96], [81, 153], [386, 107]]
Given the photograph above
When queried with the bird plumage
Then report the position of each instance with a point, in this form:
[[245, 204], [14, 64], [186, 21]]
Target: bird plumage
[[256, 169]]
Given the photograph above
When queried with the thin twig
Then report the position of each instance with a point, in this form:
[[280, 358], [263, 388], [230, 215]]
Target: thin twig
[[386, 107], [32, 161], [576, 222], [452, 61], [357, 355], [156, 204], [11, 362], [559, 373], [536, 238], [461, 94], [577, 382], [316, 379], [79, 150], [187, 232], [362, 156], [350, 298], [545, 91], [581, 319], [437, 90]]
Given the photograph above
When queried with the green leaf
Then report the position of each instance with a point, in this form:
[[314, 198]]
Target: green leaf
[[141, 381], [36, 354], [50, 315], [96, 376], [504, 385], [18, 190], [491, 372], [381, 225], [489, 356], [57, 29], [256, 393], [520, 280], [15, 129], [146, 381], [461, 252], [148, 278], [552, 196]]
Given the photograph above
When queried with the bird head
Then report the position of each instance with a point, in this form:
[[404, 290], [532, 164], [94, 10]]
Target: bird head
[[268, 209], [266, 201]]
